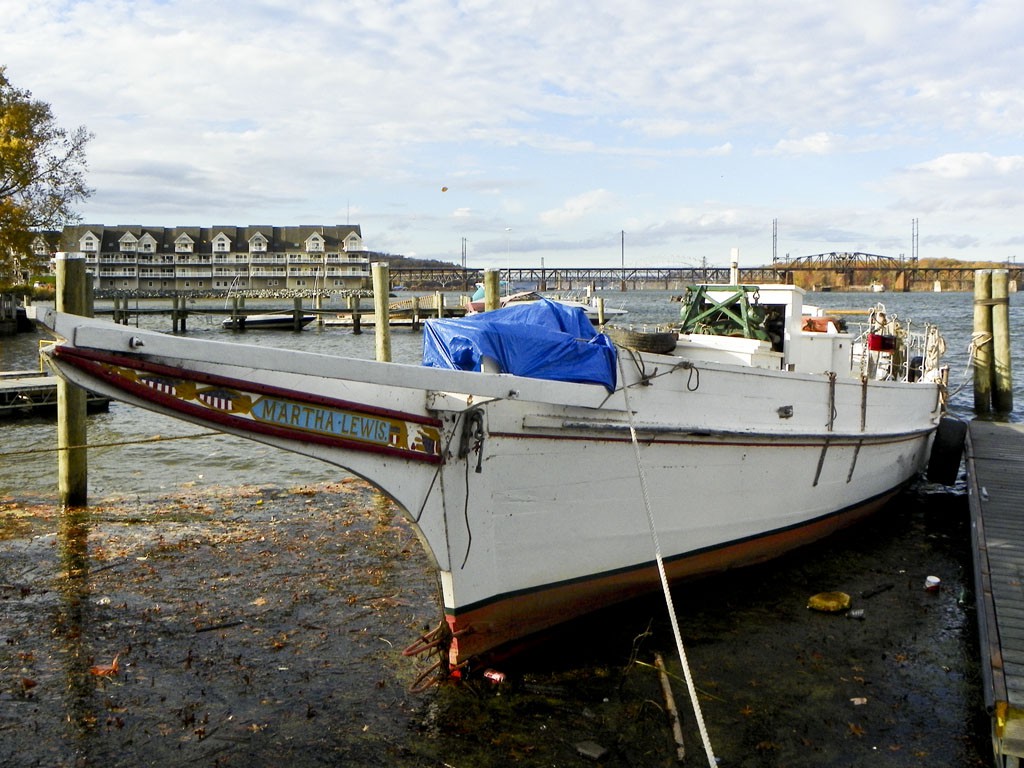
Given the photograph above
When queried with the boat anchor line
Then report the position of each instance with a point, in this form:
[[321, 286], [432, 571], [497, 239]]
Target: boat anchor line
[[473, 437], [674, 620], [863, 404], [472, 441], [832, 412], [646, 378]]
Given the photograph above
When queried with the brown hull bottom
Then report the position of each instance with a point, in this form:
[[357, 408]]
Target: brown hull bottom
[[490, 630]]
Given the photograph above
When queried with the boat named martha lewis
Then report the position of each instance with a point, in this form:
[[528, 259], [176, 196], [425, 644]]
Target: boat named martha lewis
[[526, 448]]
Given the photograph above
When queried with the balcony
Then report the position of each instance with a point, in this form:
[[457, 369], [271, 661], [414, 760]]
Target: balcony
[[346, 258], [347, 272], [268, 258], [265, 272], [108, 272]]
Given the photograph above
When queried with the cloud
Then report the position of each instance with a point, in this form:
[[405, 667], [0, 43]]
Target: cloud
[[865, 114], [973, 186], [963, 166], [820, 143], [577, 207]]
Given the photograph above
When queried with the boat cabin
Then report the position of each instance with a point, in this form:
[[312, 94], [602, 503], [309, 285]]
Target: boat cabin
[[763, 326]]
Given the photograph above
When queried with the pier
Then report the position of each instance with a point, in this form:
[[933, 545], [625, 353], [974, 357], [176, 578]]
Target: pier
[[995, 464], [29, 392], [409, 312]]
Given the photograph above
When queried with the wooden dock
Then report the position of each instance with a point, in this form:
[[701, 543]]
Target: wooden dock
[[995, 468], [407, 312], [28, 392]]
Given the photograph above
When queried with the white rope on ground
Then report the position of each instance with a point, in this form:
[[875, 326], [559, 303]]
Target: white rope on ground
[[691, 689]]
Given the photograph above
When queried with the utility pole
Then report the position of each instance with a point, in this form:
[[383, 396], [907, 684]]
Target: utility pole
[[622, 249]]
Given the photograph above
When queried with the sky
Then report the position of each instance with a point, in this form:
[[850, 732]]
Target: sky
[[556, 132]]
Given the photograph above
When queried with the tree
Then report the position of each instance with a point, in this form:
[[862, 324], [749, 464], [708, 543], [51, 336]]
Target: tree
[[42, 172]]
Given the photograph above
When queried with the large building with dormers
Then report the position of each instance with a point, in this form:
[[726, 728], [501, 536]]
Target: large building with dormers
[[301, 258]]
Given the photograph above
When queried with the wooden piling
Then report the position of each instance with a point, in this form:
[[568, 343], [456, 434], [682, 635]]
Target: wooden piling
[[982, 341], [357, 318], [415, 313], [90, 299], [381, 313], [439, 304], [600, 310], [492, 290], [297, 314], [72, 458], [1002, 374]]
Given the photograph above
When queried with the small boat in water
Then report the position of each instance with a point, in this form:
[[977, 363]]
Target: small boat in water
[[283, 321], [526, 447]]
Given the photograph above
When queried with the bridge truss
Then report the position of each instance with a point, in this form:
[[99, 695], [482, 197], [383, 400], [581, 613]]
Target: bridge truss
[[836, 269]]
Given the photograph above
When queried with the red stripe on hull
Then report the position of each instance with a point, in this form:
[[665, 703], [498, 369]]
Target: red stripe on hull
[[76, 356], [227, 421], [484, 630]]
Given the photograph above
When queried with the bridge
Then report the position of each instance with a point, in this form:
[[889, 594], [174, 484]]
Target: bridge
[[837, 270]]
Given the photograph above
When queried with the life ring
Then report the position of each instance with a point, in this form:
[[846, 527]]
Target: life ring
[[656, 341]]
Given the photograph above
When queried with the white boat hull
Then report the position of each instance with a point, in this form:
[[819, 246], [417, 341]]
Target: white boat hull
[[282, 321], [526, 493]]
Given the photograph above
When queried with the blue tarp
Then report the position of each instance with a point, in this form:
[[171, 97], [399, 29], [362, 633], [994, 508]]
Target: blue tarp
[[540, 339]]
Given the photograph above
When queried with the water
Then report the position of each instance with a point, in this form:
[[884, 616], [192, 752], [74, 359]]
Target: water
[[28, 467], [318, 591]]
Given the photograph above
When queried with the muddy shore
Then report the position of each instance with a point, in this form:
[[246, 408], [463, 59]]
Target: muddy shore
[[265, 625]]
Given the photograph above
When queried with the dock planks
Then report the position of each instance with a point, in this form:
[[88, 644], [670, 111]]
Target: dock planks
[[995, 468], [25, 392]]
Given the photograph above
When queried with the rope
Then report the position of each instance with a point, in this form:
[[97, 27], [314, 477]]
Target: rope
[[116, 444], [691, 689], [978, 339]]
